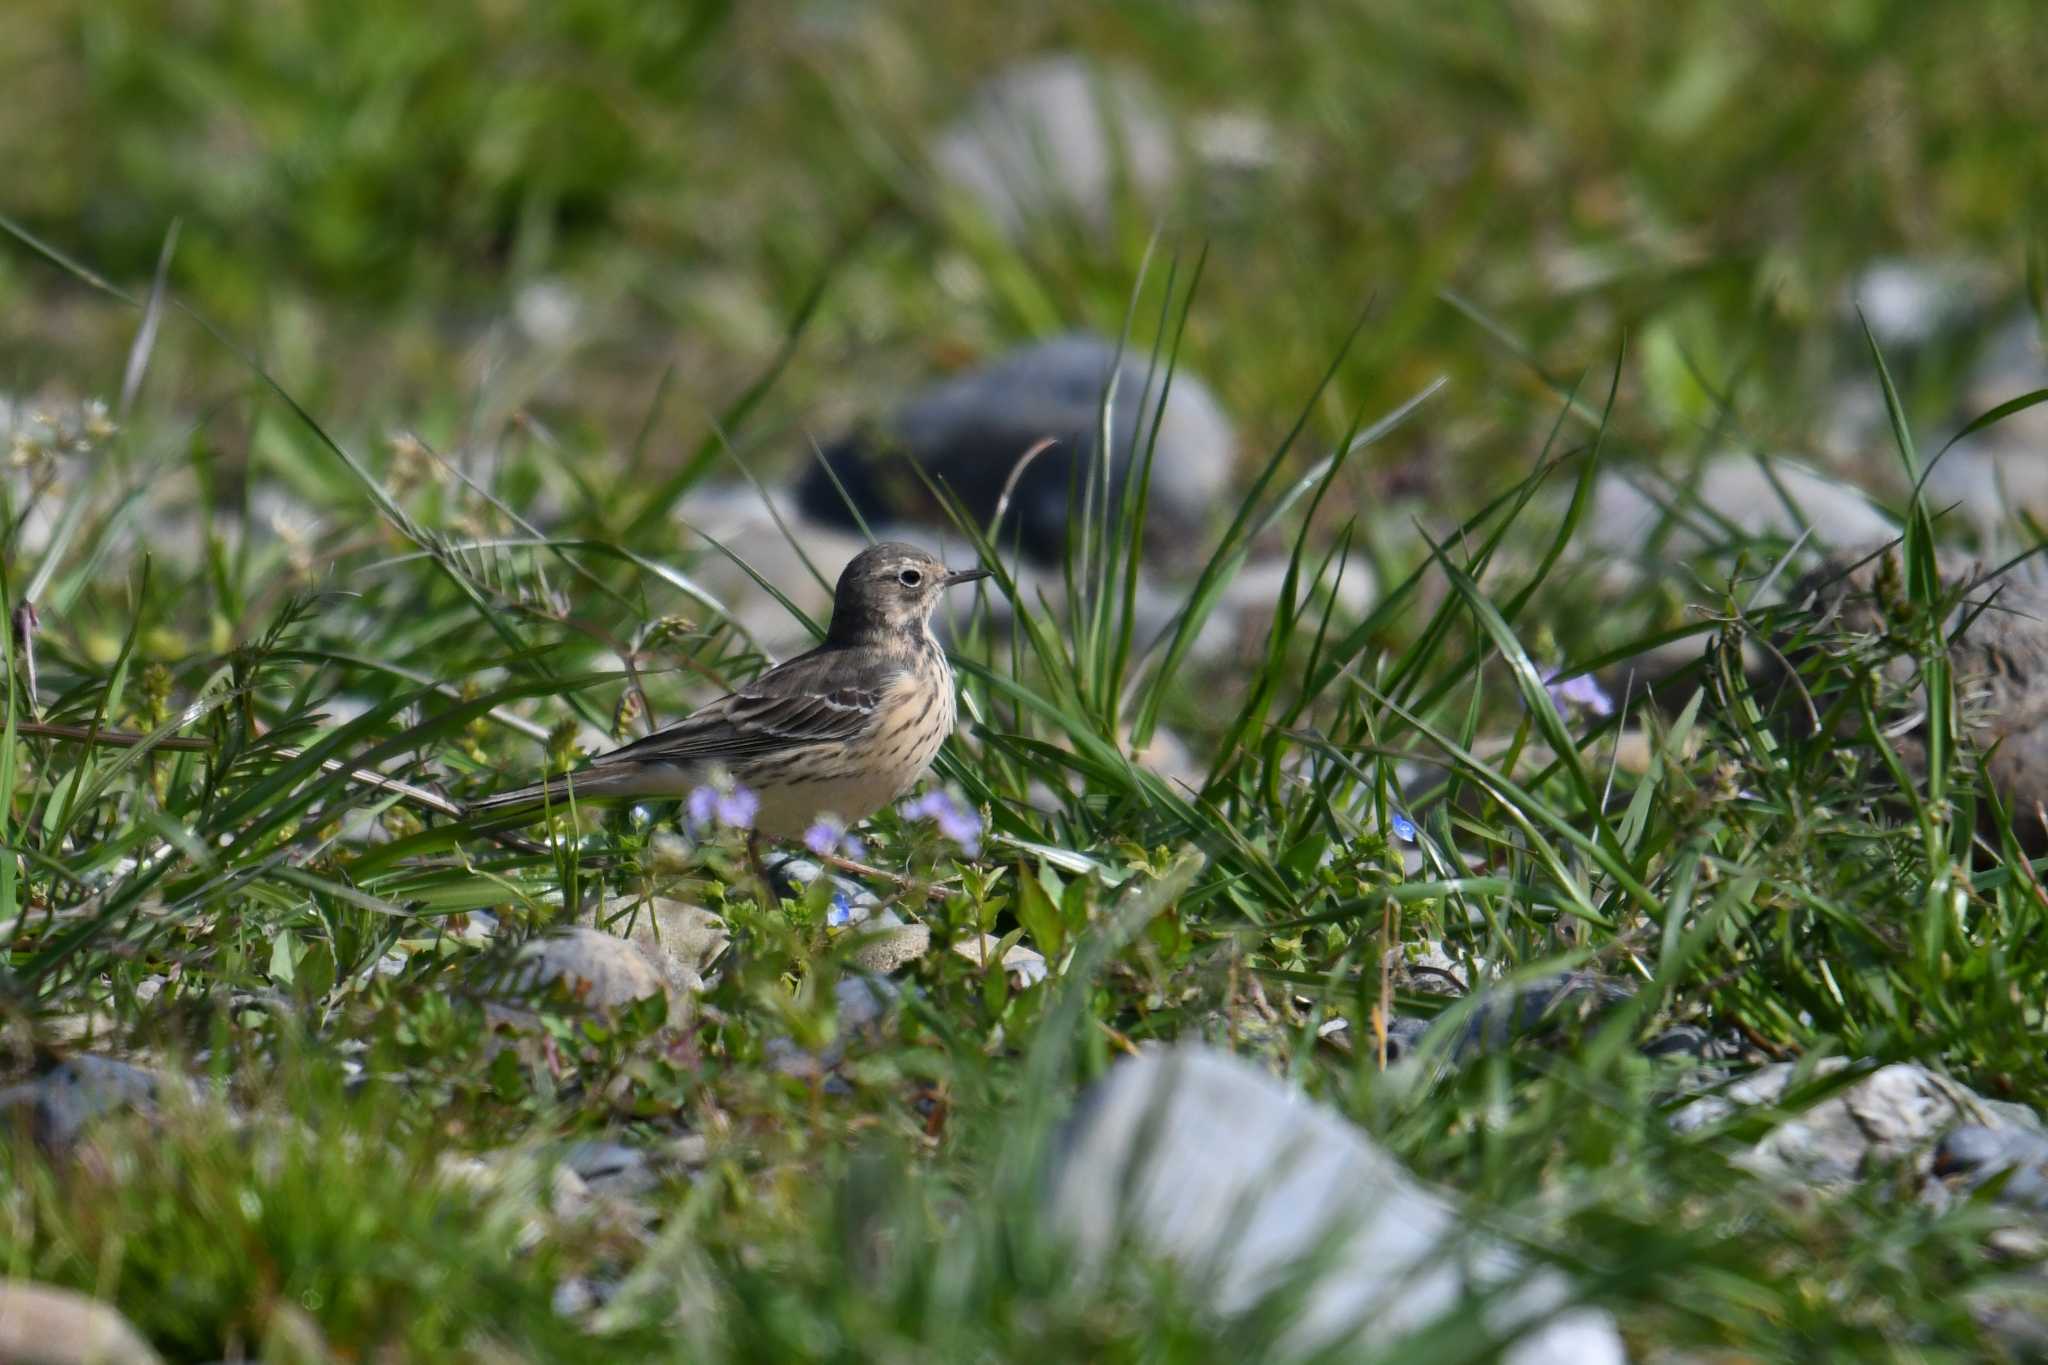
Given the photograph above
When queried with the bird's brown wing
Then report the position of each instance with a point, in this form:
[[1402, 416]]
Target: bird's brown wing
[[821, 697]]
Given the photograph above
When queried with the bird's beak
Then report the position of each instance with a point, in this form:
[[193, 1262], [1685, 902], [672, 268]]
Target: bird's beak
[[959, 576]]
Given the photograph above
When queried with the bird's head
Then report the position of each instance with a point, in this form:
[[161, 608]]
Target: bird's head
[[888, 588]]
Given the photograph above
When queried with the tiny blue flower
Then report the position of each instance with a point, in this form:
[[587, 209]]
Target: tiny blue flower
[[1404, 828], [822, 838], [840, 911]]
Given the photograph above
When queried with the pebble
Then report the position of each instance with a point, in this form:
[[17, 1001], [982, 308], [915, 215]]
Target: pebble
[[602, 971], [1201, 1159], [1647, 519], [751, 523], [680, 939], [2002, 470], [1059, 138], [58, 1105], [1973, 1154], [1893, 1116], [882, 942], [969, 431], [41, 1324], [863, 1003], [1908, 301], [1025, 966]]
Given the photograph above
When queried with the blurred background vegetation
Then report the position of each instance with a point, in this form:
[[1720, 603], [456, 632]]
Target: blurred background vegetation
[[606, 240], [433, 215]]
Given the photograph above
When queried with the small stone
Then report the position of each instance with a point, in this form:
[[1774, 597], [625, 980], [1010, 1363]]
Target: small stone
[[2002, 470], [41, 1324], [59, 1104], [1975, 1153], [1907, 301], [1198, 1158], [969, 433], [1058, 138], [766, 528], [1891, 1117], [863, 1004], [680, 939], [1024, 965], [885, 949], [1642, 518], [612, 1169], [602, 971]]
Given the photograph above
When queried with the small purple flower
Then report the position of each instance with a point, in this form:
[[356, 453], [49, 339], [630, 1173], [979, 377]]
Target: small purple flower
[[827, 836], [956, 822], [1582, 692], [734, 807], [701, 807], [737, 808]]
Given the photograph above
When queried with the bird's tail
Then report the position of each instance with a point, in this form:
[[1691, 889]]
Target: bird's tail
[[594, 784], [555, 792]]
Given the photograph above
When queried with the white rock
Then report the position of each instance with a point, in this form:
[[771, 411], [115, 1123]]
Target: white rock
[[549, 311], [602, 971], [1209, 1162], [1057, 137], [680, 939], [1907, 301], [2002, 470], [1641, 516], [1896, 1114], [41, 1324], [744, 520]]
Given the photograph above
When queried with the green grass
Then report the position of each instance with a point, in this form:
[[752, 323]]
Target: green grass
[[308, 943]]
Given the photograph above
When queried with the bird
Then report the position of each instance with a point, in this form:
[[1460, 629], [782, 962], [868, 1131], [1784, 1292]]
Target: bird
[[838, 732]]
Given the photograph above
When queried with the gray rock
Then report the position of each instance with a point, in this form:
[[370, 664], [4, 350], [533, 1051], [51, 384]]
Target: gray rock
[[2001, 471], [1208, 1162], [1056, 139], [761, 528], [1645, 518], [41, 1324], [1893, 1117], [612, 1169], [1908, 301], [882, 942], [1973, 1154], [59, 1104], [969, 432], [601, 971], [863, 1004], [529, 1191], [680, 939]]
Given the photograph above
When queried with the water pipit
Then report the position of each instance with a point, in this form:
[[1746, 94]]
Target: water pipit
[[839, 731]]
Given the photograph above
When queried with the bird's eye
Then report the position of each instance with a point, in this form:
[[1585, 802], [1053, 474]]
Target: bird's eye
[[911, 578]]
